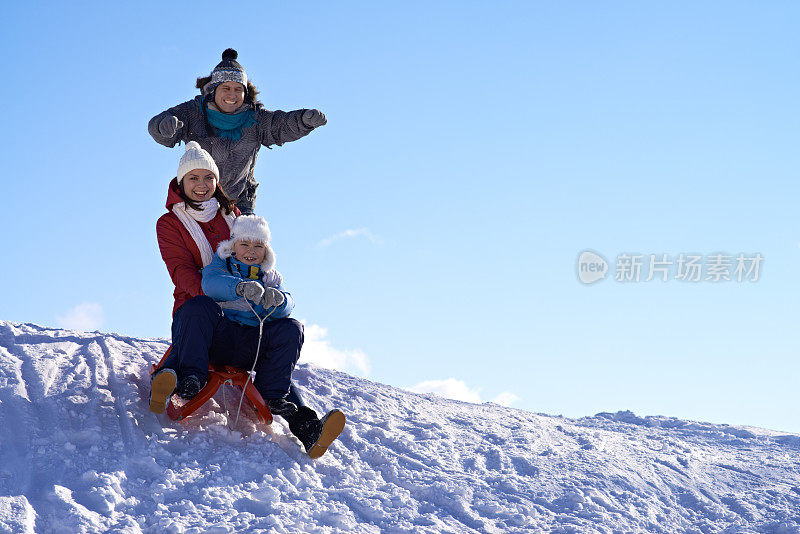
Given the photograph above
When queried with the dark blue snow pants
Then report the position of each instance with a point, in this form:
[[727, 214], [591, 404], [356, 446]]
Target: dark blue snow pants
[[201, 334]]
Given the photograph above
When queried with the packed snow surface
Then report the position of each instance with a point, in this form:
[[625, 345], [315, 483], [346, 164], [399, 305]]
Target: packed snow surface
[[80, 452]]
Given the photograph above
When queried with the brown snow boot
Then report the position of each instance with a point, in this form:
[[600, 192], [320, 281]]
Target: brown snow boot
[[161, 387]]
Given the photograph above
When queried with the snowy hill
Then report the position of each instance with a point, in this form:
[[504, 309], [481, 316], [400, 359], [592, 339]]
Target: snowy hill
[[80, 452]]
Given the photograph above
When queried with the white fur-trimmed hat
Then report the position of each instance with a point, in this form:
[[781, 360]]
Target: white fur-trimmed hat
[[249, 228], [196, 158]]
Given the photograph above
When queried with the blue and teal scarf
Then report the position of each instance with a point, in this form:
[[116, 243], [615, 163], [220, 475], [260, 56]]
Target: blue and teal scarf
[[230, 126]]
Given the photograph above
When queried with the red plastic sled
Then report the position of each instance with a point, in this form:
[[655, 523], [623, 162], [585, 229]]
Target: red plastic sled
[[218, 375]]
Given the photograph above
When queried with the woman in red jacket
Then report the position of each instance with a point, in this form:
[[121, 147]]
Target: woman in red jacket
[[199, 217]]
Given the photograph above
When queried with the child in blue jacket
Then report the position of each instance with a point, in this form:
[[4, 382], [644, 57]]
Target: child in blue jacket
[[241, 279]]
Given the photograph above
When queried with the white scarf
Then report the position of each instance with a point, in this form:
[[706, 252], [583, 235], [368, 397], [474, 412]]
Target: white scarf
[[190, 217]]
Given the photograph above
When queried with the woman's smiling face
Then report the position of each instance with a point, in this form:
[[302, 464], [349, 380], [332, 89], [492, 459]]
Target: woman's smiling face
[[199, 184]]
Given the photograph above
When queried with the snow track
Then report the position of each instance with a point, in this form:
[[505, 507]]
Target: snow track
[[80, 452]]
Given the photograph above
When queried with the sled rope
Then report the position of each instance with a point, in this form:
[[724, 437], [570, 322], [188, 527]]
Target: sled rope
[[228, 382], [252, 373]]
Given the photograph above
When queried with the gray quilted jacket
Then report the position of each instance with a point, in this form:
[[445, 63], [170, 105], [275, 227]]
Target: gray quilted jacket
[[236, 160]]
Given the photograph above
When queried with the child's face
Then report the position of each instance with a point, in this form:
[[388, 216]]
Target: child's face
[[199, 184], [229, 96], [250, 252]]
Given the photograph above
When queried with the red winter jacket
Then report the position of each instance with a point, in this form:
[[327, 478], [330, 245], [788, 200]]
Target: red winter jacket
[[179, 250]]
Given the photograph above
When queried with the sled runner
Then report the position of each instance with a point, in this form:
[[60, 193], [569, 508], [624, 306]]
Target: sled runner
[[217, 376]]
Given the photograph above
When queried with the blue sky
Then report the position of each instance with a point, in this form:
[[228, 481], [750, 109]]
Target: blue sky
[[430, 232]]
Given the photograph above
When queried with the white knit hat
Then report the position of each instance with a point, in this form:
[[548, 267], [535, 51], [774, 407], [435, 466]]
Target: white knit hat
[[196, 158], [249, 228]]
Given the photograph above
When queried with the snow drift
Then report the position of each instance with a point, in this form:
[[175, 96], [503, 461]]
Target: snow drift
[[80, 452]]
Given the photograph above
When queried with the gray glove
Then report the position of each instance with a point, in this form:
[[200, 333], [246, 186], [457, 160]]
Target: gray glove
[[314, 118], [272, 297], [169, 125], [251, 290], [272, 278]]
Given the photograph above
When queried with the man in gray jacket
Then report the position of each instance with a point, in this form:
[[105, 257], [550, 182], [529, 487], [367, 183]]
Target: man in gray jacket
[[229, 122]]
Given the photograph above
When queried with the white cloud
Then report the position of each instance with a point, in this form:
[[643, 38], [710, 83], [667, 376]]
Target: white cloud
[[449, 388], [350, 234], [317, 349], [506, 398], [84, 316], [453, 388]]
